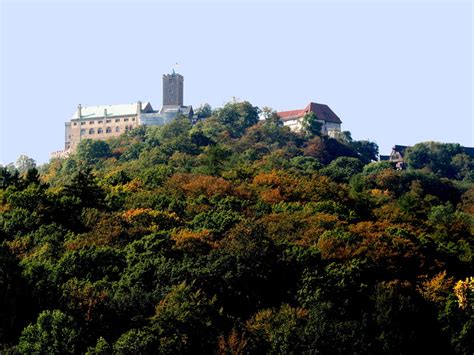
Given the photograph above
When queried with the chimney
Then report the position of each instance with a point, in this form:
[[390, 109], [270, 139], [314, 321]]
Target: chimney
[[139, 107], [79, 111]]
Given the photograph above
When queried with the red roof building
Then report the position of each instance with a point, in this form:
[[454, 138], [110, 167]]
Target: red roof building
[[330, 122]]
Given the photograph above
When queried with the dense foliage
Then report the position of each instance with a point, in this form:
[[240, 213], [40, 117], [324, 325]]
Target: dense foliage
[[238, 236]]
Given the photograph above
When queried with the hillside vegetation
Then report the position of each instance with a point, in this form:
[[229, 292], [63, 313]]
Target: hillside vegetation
[[238, 236]]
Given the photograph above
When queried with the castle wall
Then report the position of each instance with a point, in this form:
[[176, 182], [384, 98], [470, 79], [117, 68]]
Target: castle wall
[[100, 128]]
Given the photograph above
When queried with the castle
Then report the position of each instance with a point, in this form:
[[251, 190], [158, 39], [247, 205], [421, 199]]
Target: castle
[[103, 122]]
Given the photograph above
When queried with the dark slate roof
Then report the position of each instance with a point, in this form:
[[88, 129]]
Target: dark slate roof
[[323, 112], [384, 157]]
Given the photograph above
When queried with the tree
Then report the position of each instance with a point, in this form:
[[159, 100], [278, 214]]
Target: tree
[[237, 117], [367, 151], [311, 125], [7, 177], [204, 111], [343, 168], [278, 331], [92, 151], [464, 166], [15, 299], [84, 187], [270, 117], [53, 333], [435, 157], [24, 163]]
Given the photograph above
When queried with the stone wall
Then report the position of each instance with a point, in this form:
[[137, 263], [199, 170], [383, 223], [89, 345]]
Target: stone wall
[[100, 128], [173, 85]]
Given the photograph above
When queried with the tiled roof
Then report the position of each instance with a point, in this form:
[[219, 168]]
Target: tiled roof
[[291, 114], [112, 110], [322, 112]]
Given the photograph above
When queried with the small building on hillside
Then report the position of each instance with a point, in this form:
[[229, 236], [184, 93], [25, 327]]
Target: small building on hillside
[[397, 156], [331, 124]]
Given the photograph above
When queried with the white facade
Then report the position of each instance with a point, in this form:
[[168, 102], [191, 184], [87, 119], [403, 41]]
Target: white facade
[[329, 128]]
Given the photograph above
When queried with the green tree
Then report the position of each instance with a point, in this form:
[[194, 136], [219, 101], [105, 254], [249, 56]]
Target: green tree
[[278, 331], [84, 187], [237, 117], [15, 300], [367, 151], [204, 111], [92, 151], [343, 168], [24, 163], [102, 347], [433, 156], [7, 177], [270, 117], [137, 341], [311, 125], [53, 333]]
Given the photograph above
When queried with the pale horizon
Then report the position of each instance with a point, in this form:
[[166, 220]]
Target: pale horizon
[[394, 72]]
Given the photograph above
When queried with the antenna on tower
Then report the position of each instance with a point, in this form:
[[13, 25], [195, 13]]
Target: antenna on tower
[[176, 65]]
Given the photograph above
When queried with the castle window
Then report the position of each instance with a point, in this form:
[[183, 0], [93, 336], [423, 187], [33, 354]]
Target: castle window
[[99, 122], [83, 123], [117, 129], [74, 124], [117, 120], [125, 119], [100, 131], [91, 122], [108, 130], [91, 131], [83, 131], [133, 119], [108, 121]]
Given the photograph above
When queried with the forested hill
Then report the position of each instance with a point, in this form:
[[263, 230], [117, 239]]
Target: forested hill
[[238, 236]]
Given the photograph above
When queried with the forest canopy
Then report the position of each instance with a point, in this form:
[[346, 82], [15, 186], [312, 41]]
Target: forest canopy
[[235, 235]]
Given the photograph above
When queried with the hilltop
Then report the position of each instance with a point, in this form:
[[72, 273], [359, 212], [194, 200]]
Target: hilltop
[[238, 236]]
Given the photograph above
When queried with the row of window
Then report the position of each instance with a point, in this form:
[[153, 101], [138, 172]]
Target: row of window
[[106, 121], [107, 130]]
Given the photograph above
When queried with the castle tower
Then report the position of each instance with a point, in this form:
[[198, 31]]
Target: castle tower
[[173, 89]]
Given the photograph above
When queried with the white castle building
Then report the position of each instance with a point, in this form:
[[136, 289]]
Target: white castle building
[[103, 122]]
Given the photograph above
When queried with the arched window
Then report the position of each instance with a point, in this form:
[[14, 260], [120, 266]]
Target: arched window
[[100, 131], [117, 129], [108, 130], [91, 131], [83, 131]]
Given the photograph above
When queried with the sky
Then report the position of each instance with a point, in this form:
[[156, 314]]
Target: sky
[[395, 72]]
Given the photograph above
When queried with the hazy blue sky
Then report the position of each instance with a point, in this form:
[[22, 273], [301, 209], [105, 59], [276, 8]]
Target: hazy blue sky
[[394, 72]]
